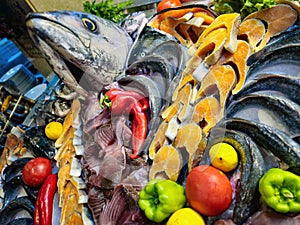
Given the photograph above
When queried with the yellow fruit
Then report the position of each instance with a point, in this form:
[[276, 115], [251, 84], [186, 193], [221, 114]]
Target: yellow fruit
[[185, 216], [223, 156], [53, 130]]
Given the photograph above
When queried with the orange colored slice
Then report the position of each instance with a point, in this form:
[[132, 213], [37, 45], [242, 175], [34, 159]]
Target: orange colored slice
[[166, 164], [206, 113], [159, 139]]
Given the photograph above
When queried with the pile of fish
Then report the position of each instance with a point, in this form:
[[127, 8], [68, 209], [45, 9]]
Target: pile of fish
[[252, 107], [208, 78], [263, 118]]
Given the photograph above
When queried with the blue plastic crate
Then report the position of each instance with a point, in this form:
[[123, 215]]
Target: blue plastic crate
[[10, 56]]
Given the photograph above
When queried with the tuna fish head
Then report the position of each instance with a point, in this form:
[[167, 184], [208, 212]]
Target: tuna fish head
[[86, 51]]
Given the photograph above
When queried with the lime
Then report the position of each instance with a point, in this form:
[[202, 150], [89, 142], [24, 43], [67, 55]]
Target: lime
[[185, 216], [223, 156], [53, 130]]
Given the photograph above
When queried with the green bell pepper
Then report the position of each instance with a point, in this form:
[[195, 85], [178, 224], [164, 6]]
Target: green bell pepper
[[160, 198], [280, 190]]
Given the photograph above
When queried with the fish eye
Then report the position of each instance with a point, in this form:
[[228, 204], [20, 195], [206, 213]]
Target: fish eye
[[89, 24]]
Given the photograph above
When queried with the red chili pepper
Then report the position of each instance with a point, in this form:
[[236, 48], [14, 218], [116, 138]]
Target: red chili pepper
[[130, 102], [114, 92], [45, 200], [139, 131], [36, 217]]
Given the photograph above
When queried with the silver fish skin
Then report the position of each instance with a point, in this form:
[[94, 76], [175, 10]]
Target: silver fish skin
[[282, 61], [289, 38], [87, 52]]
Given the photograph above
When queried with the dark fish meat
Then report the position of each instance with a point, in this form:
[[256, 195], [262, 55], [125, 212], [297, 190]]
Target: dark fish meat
[[122, 210], [270, 217]]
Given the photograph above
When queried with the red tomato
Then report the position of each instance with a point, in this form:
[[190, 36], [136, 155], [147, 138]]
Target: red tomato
[[208, 190], [164, 4], [36, 171]]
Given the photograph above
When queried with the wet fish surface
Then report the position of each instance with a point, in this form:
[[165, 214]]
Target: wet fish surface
[[83, 64], [281, 61], [23, 221], [14, 187], [86, 51], [13, 207], [285, 84], [15, 168], [291, 37], [284, 109]]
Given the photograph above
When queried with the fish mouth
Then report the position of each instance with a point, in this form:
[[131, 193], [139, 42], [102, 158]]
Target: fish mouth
[[78, 75], [43, 24], [64, 67], [69, 73], [46, 17]]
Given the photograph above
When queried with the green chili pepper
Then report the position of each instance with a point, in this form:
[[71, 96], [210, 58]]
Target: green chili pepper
[[280, 190], [160, 198]]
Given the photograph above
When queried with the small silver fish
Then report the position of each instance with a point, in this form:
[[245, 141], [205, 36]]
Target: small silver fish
[[87, 52]]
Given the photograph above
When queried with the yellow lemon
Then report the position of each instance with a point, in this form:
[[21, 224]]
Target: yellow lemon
[[185, 216], [53, 130], [223, 156]]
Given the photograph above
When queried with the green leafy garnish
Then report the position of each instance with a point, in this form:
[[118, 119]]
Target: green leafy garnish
[[107, 9], [244, 7]]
